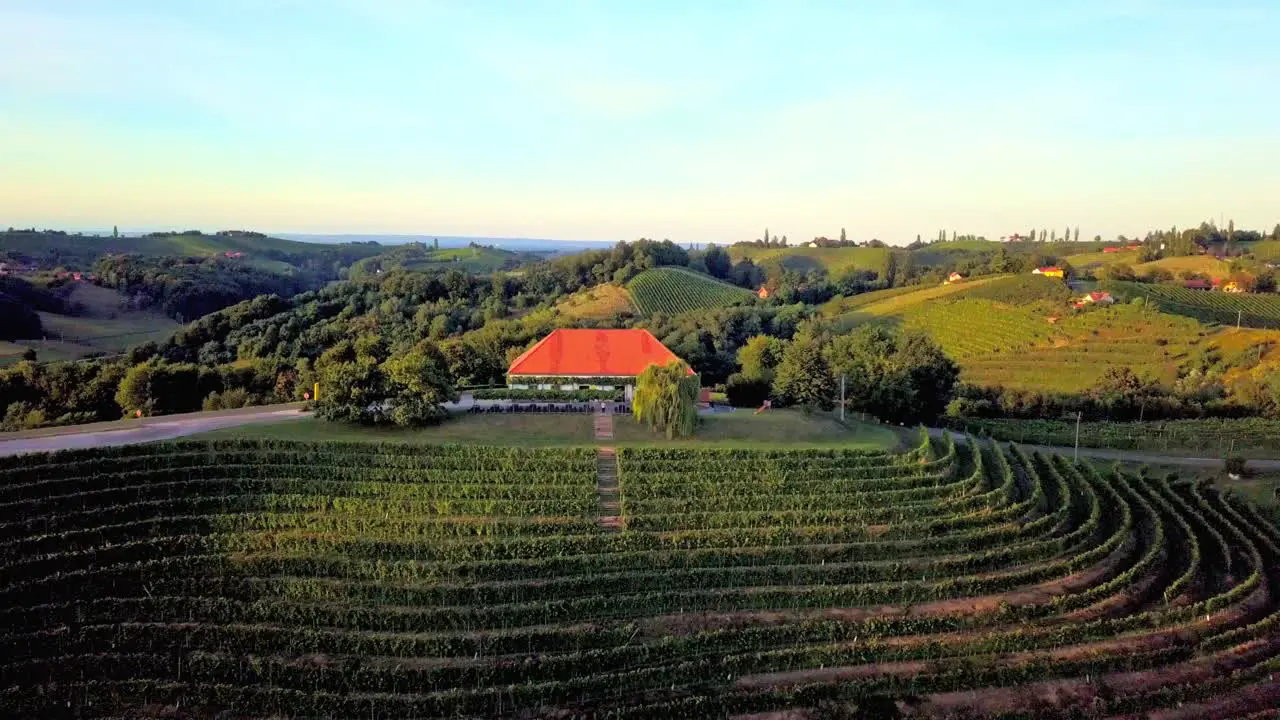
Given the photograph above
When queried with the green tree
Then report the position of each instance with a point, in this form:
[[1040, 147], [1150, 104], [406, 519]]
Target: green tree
[[804, 376], [899, 377], [115, 231], [760, 356], [843, 237], [351, 392], [1076, 234], [417, 384], [666, 399]]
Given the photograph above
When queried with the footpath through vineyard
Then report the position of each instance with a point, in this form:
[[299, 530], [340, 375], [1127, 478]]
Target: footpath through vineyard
[[384, 580]]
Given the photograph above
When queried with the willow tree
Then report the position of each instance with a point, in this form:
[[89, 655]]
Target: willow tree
[[666, 398]]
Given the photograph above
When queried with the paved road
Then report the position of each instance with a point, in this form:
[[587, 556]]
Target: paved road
[[1131, 455], [160, 429]]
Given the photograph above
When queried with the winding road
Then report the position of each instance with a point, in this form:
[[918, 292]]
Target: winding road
[[152, 430]]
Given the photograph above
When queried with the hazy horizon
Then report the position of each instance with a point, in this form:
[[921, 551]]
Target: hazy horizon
[[598, 122]]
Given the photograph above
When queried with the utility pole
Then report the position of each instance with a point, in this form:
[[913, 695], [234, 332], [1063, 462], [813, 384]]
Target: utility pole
[[842, 398], [1077, 455], [1239, 316]]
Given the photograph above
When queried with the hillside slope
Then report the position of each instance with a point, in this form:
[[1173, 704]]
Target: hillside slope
[[672, 290]]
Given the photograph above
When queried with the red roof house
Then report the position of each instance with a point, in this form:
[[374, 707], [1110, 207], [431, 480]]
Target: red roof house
[[1197, 285], [569, 353], [1111, 249]]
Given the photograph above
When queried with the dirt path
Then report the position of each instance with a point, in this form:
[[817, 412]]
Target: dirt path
[[1125, 455], [152, 430], [607, 488]]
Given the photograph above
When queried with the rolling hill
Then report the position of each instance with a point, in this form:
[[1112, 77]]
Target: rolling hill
[[673, 290], [999, 330]]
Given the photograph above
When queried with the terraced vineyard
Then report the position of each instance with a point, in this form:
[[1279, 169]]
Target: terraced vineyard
[[1249, 309], [675, 290], [378, 581]]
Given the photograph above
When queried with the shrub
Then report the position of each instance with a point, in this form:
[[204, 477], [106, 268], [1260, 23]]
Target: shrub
[[745, 392]]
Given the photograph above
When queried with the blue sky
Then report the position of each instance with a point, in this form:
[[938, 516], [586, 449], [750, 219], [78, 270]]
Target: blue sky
[[698, 121]]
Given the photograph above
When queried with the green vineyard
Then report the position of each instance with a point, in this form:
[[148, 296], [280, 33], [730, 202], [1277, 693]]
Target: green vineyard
[[283, 579], [1247, 309], [675, 290]]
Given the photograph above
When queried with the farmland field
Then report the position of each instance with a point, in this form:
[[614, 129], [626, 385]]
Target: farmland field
[[1250, 309], [676, 290], [386, 580]]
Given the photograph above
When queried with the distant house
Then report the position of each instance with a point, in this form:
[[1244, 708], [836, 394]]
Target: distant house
[[763, 292], [233, 254], [1232, 287], [1111, 249], [1198, 285], [1095, 298], [954, 277], [1135, 246], [4, 268], [1052, 271], [1016, 238], [578, 359]]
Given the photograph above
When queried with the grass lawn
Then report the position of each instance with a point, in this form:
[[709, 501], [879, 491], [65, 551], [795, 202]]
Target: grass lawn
[[773, 429], [497, 429], [776, 428]]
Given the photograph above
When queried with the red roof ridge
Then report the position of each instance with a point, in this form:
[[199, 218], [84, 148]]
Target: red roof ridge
[[585, 352]]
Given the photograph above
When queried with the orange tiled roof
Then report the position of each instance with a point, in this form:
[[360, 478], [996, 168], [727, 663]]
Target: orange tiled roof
[[588, 353]]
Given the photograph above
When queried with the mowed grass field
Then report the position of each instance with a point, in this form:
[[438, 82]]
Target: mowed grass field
[[602, 302], [836, 261], [1206, 265], [267, 578], [672, 290], [1095, 260], [106, 327]]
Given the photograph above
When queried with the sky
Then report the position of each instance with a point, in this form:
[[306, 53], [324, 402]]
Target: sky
[[698, 121]]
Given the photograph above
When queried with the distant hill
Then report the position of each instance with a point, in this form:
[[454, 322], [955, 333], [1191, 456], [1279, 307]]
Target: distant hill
[[422, 257], [672, 290], [48, 249]]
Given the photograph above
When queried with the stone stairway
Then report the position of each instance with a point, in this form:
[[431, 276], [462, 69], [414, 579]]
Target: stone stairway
[[604, 426], [607, 488]]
